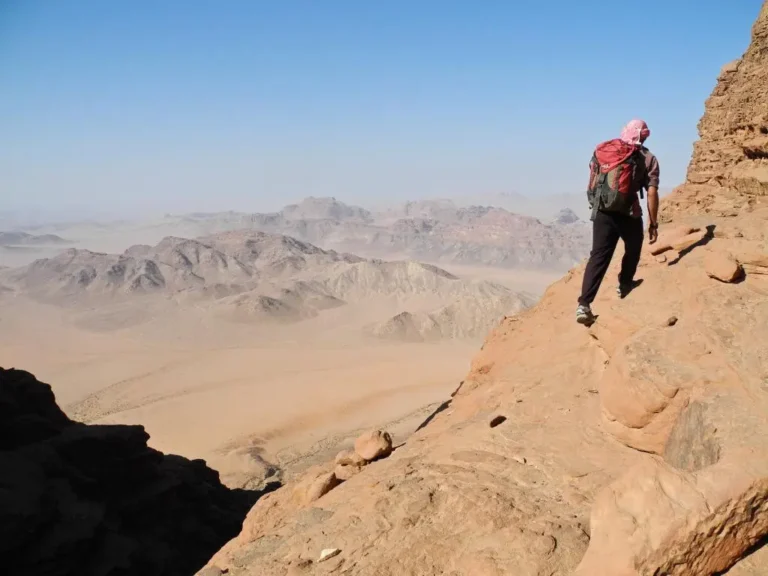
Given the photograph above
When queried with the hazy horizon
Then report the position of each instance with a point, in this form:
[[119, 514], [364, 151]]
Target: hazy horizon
[[127, 109]]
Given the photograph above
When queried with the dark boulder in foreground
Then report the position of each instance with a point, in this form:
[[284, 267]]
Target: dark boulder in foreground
[[88, 500]]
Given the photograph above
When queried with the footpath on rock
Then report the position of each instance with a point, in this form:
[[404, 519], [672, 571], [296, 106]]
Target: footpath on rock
[[638, 446]]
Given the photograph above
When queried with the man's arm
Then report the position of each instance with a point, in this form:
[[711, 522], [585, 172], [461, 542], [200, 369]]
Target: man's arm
[[653, 205], [653, 214], [653, 199]]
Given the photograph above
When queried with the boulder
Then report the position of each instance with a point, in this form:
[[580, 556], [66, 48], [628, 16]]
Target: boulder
[[723, 267], [373, 445]]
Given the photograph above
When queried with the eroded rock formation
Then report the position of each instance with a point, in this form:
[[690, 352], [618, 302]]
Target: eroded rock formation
[[728, 173], [80, 500]]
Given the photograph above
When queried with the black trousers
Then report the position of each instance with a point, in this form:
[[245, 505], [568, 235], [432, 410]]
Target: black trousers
[[607, 228]]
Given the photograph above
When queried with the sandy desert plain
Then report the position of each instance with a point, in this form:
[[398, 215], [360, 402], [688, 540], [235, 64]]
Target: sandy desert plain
[[256, 352]]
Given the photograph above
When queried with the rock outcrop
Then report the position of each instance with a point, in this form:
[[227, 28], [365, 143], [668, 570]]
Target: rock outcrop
[[79, 500], [728, 173], [636, 447]]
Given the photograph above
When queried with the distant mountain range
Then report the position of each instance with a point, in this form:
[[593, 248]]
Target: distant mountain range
[[24, 239], [433, 230], [438, 231], [254, 276]]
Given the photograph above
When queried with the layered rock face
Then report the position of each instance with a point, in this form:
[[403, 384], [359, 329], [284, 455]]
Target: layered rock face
[[636, 447], [95, 500], [728, 172]]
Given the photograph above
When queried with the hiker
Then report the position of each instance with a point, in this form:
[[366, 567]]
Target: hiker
[[619, 170]]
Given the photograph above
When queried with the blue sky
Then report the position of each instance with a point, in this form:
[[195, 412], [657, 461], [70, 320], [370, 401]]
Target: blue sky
[[138, 106]]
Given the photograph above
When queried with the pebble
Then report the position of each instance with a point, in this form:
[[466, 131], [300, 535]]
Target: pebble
[[497, 420], [329, 553]]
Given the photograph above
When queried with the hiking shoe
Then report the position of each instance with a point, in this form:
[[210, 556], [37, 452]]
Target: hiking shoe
[[623, 289], [584, 315]]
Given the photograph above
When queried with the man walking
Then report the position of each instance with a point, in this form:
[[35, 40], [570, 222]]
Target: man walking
[[620, 169]]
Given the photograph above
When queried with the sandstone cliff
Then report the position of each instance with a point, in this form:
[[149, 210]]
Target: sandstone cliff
[[95, 500], [728, 172], [638, 446]]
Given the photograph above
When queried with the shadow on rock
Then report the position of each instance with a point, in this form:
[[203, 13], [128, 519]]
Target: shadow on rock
[[706, 239], [441, 408], [89, 500]]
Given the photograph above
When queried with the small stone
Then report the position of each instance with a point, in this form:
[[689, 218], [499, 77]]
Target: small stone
[[497, 420], [592, 391], [373, 445], [344, 472], [661, 258], [723, 267], [519, 459], [329, 553], [672, 320]]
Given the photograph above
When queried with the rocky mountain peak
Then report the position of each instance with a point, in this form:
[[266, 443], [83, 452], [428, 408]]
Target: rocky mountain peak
[[566, 216], [728, 173], [313, 208]]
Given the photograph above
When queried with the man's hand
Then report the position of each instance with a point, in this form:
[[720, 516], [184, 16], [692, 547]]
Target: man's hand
[[653, 214], [653, 233]]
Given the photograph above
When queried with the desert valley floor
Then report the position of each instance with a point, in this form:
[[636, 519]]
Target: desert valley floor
[[249, 399]]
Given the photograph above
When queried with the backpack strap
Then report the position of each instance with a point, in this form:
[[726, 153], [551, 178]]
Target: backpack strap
[[595, 177], [639, 171]]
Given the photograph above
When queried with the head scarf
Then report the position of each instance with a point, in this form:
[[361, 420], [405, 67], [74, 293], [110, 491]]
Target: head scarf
[[635, 133]]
